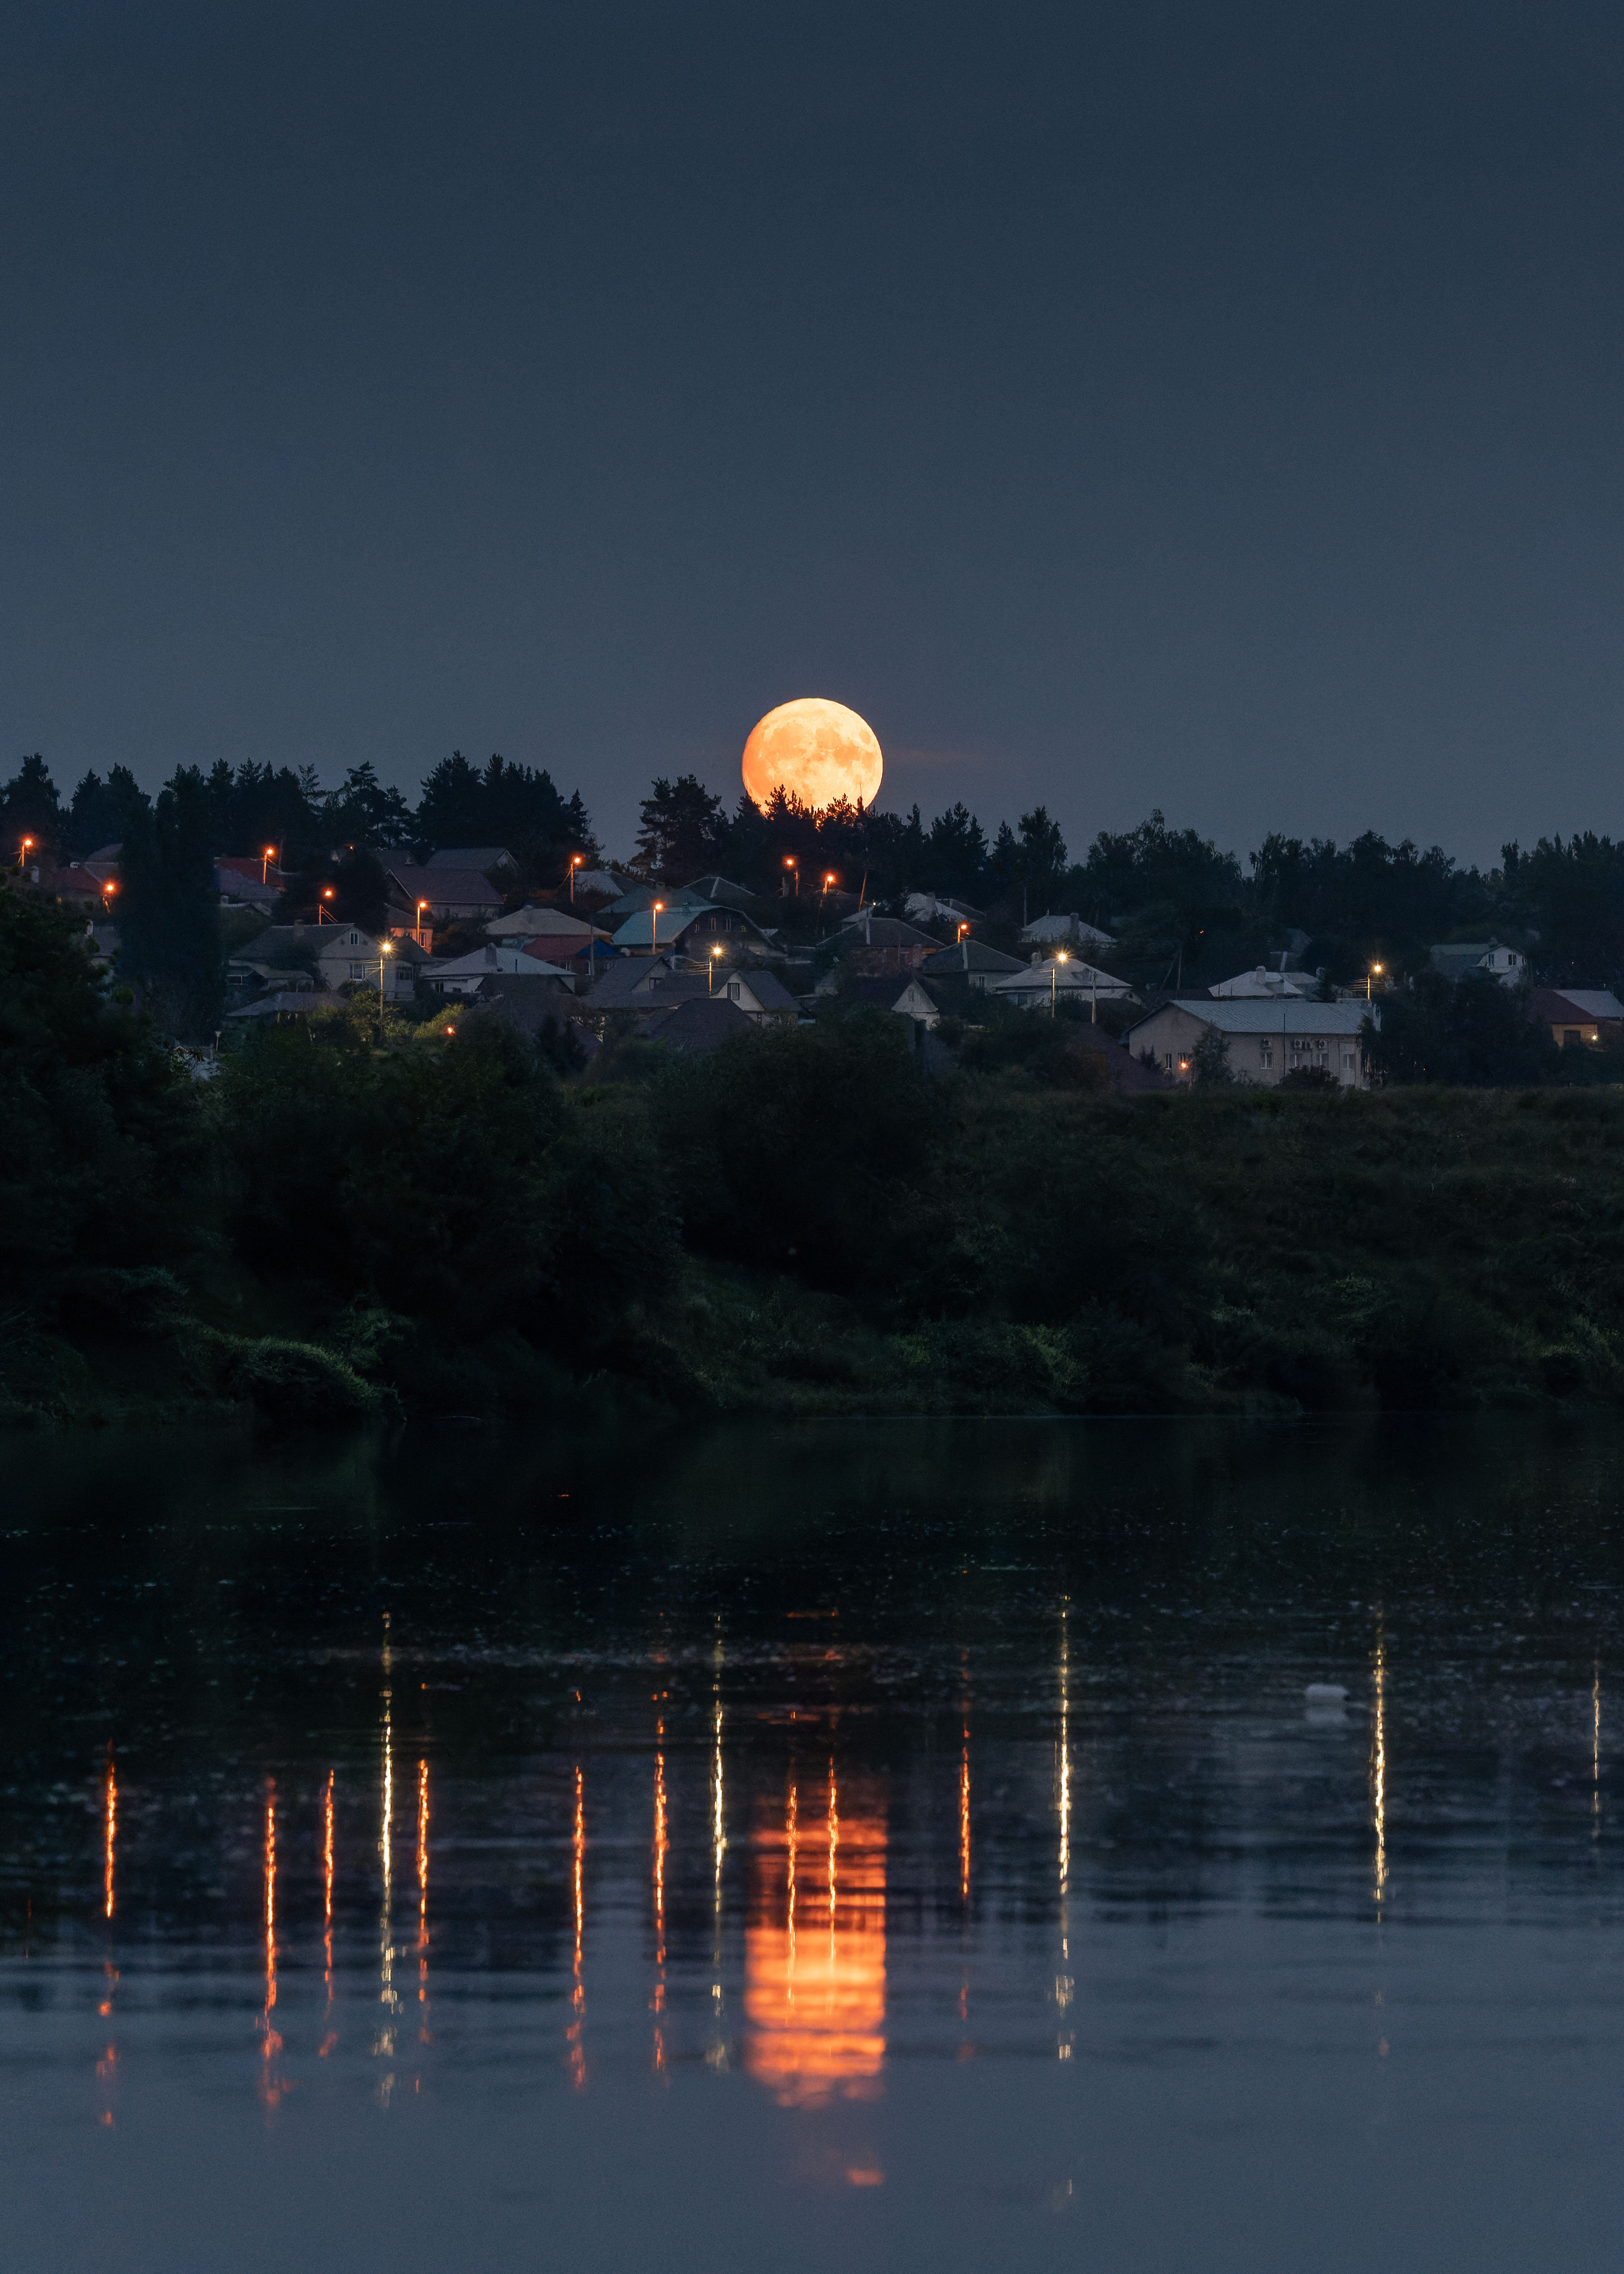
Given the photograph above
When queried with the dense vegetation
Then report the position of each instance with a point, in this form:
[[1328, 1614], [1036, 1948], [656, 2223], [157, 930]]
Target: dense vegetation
[[352, 1219]]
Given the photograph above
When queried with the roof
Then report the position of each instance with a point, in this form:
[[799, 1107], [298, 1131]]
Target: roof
[[514, 961], [443, 887], [1590, 1002], [769, 992], [1244, 1016], [885, 994], [554, 923], [1261, 981], [642, 932], [1068, 978], [1043, 929], [472, 856], [718, 889], [269, 1006], [1122, 1067], [702, 1024], [632, 983], [866, 929], [969, 955], [933, 907]]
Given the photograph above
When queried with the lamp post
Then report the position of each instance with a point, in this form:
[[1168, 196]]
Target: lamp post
[[1369, 975], [654, 917], [22, 854], [711, 988], [575, 859], [321, 915], [417, 935], [791, 863], [266, 859], [1054, 974], [384, 953], [828, 877]]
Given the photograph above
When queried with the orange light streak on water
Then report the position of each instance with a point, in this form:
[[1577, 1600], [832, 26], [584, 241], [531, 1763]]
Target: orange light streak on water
[[815, 2011], [661, 1845], [577, 2050], [271, 2086], [1379, 1771], [422, 1883], [110, 1837], [329, 2040], [964, 1818]]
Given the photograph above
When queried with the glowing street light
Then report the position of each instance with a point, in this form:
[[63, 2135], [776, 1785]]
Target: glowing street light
[[321, 915], [417, 935], [654, 917], [22, 852], [828, 877], [1369, 975], [1054, 974], [790, 861], [266, 859], [715, 952], [575, 859], [384, 953]]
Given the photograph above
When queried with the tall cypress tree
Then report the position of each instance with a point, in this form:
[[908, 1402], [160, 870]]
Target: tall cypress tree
[[170, 911]]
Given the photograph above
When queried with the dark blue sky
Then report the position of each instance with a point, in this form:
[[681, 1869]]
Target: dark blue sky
[[1215, 406]]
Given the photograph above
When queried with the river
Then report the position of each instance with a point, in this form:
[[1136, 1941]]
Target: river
[[880, 1845]]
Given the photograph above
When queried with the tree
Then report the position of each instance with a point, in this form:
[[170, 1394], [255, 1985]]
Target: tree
[[449, 811], [99, 811], [1474, 1032], [362, 814], [168, 909], [1209, 1061], [956, 853], [683, 830], [360, 891], [29, 807], [1571, 894]]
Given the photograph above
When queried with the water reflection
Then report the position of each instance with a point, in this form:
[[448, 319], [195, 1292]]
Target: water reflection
[[423, 1898], [1379, 1769], [383, 2048], [661, 1844], [271, 2084], [577, 2002], [814, 1949]]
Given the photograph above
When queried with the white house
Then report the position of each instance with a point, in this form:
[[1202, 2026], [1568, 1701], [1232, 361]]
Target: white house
[[1040, 984], [1457, 959], [349, 955], [1268, 1040]]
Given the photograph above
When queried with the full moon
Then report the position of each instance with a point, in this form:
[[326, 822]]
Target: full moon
[[815, 751]]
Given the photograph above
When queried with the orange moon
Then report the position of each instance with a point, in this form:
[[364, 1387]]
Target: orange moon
[[815, 750]]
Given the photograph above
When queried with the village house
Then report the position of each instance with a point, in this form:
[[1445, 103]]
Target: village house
[[463, 973], [1461, 959], [909, 998], [1264, 982], [969, 960], [346, 956], [1267, 1040], [446, 895], [1578, 1016], [692, 928], [1042, 984], [764, 1000], [489, 860], [1064, 931]]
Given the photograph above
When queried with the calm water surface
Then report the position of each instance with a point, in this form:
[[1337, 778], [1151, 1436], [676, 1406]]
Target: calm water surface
[[888, 1846]]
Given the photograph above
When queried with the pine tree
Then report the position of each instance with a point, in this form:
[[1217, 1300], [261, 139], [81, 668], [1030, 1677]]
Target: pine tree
[[168, 910]]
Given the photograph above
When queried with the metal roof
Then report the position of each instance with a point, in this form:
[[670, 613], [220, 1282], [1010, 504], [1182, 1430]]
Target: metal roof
[[1243, 1015]]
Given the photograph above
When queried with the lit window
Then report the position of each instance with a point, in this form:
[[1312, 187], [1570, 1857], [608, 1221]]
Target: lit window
[[1166, 1060]]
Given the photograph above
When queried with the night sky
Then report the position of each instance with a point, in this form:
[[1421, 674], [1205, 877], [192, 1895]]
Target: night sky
[[1215, 407]]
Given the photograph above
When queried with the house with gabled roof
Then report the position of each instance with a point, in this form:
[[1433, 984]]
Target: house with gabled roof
[[1268, 1039]]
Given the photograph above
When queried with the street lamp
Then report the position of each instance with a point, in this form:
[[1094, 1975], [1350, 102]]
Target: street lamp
[[384, 952], [711, 988], [790, 861], [417, 935], [1054, 974], [266, 858], [321, 915], [575, 859], [654, 917], [1369, 975], [828, 877]]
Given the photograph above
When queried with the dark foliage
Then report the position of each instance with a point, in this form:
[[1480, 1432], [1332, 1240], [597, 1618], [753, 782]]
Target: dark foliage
[[170, 911], [29, 807], [1473, 1031]]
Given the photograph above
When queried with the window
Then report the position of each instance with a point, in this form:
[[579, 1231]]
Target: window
[[1346, 1061], [1166, 1060], [1265, 1056], [358, 971], [1570, 1037]]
